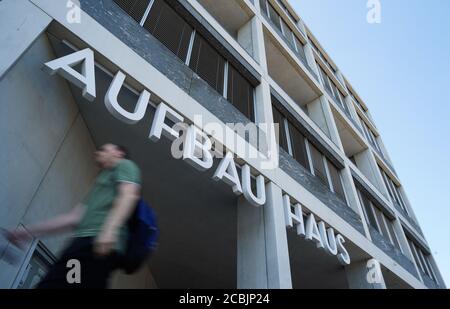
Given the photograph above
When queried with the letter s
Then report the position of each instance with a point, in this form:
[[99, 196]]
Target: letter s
[[343, 256]]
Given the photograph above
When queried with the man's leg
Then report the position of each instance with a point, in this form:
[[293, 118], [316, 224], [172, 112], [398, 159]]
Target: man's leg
[[94, 271]]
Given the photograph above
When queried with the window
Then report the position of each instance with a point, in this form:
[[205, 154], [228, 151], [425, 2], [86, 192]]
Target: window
[[341, 98], [430, 267], [263, 4], [207, 63], [295, 143], [378, 220], [336, 180], [134, 8], [394, 235], [286, 10], [414, 251], [292, 39], [318, 164], [370, 136], [381, 223], [169, 28], [34, 269], [325, 80], [334, 91], [322, 56], [393, 190], [274, 17], [298, 146], [166, 25], [300, 47], [240, 92], [422, 259], [278, 118], [368, 210], [366, 130], [286, 32]]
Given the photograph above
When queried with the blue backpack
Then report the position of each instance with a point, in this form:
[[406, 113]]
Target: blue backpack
[[142, 239]]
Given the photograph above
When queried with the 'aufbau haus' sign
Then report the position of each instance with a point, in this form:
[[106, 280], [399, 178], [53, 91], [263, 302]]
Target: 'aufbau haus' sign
[[197, 148]]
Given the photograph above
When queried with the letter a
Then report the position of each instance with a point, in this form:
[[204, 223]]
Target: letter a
[[74, 274], [85, 80]]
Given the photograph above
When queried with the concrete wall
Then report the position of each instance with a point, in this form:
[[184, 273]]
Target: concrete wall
[[48, 165]]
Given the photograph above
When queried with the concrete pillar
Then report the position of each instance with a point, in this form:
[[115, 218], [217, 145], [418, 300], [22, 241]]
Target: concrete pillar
[[259, 49], [263, 257], [19, 30], [263, 102], [263, 108], [251, 249], [277, 251], [365, 274], [317, 114], [333, 132], [367, 165]]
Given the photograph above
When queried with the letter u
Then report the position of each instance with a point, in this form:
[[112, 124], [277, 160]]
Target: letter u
[[114, 107], [328, 239], [260, 198]]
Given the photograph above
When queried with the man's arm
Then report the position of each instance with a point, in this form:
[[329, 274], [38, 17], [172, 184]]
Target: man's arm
[[60, 223], [123, 207]]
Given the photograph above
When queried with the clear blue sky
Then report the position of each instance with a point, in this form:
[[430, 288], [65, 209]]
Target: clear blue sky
[[401, 69]]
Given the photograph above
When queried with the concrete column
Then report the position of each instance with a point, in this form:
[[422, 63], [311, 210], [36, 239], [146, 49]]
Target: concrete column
[[367, 165], [263, 257], [259, 49], [264, 116], [21, 23], [263, 102], [333, 132], [277, 251], [365, 275], [316, 112], [251, 248]]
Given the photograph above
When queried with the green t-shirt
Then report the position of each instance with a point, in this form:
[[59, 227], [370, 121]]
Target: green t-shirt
[[100, 200]]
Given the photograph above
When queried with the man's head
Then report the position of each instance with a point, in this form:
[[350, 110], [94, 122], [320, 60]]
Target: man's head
[[109, 155]]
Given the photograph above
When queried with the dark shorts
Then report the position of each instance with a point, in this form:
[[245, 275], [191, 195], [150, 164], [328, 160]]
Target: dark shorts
[[94, 271]]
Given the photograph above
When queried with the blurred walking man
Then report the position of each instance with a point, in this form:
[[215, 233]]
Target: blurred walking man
[[99, 223]]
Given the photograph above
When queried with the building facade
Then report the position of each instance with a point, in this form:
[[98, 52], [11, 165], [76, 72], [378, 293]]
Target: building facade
[[317, 205]]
